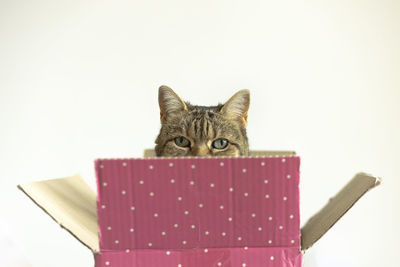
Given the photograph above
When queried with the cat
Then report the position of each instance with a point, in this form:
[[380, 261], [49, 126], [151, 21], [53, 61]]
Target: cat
[[200, 131]]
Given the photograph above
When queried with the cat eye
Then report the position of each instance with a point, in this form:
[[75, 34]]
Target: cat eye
[[182, 141], [220, 143]]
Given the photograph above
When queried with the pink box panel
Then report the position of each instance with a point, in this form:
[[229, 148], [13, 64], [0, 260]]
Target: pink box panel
[[191, 204], [226, 257]]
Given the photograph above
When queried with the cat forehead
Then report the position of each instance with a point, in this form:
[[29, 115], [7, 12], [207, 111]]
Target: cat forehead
[[205, 115], [191, 107], [204, 112]]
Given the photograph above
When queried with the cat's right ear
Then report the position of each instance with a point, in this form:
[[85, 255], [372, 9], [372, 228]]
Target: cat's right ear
[[169, 102], [237, 107]]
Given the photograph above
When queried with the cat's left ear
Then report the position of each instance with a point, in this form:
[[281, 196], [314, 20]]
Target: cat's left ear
[[169, 102], [237, 107]]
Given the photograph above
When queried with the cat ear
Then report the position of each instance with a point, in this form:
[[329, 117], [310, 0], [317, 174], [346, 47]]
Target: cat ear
[[169, 102], [237, 106]]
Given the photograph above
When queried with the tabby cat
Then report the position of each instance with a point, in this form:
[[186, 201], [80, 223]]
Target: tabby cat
[[189, 130]]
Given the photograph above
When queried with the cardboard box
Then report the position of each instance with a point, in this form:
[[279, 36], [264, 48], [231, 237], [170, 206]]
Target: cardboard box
[[197, 212]]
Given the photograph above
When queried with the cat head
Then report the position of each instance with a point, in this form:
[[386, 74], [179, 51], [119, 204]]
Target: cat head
[[189, 130]]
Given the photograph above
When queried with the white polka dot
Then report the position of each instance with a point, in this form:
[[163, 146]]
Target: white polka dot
[[253, 215], [123, 192], [284, 198], [280, 227], [243, 264], [151, 167], [107, 263], [283, 160], [231, 189], [246, 194], [133, 208], [131, 229], [172, 181], [104, 184], [244, 170], [246, 248], [150, 244], [265, 181], [151, 194], [141, 182], [230, 219], [219, 263], [262, 163], [109, 228], [163, 233], [193, 166], [176, 225], [272, 258], [288, 176], [201, 205], [266, 196], [270, 218], [186, 212], [168, 252], [291, 216], [103, 206], [212, 185], [221, 207], [205, 250], [193, 226], [184, 242], [116, 241], [101, 166], [221, 164], [171, 164], [239, 238], [206, 232], [156, 215], [127, 250], [124, 164], [180, 198], [191, 182], [223, 234], [259, 228], [292, 241], [179, 265], [269, 241]]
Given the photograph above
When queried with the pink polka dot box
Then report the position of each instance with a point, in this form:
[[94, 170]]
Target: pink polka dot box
[[193, 212]]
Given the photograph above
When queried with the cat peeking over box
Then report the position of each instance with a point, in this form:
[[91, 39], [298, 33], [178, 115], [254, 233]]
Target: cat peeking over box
[[205, 131]]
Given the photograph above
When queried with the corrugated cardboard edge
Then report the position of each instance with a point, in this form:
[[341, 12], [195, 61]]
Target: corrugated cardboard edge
[[337, 206], [71, 203], [150, 153]]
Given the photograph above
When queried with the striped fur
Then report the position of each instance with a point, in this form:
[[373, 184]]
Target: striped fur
[[202, 125]]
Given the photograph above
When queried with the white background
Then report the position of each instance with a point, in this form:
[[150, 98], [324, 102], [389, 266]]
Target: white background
[[79, 79]]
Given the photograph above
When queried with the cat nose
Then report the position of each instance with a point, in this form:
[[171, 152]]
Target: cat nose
[[201, 151]]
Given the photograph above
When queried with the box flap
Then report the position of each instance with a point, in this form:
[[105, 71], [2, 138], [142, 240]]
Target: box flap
[[337, 206], [71, 203], [150, 153]]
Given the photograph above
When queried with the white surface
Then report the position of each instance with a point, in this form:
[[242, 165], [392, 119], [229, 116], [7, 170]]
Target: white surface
[[79, 79]]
